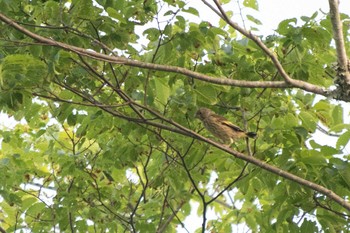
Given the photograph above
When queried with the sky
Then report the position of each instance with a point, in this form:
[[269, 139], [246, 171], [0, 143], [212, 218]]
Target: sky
[[271, 12]]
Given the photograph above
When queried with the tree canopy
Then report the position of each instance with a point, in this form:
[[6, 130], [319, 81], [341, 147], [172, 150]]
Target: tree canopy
[[105, 95]]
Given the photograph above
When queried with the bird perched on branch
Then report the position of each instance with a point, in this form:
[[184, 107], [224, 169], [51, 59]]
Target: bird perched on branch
[[220, 127]]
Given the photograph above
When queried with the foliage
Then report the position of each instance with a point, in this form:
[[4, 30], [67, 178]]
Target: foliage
[[101, 148]]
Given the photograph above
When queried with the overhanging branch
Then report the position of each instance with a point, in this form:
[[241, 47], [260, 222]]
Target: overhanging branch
[[288, 83]]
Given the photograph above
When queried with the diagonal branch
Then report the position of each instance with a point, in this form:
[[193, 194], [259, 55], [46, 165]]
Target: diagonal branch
[[327, 192], [288, 80], [288, 83], [175, 127]]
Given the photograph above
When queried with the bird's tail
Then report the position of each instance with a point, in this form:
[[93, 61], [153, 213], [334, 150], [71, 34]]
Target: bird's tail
[[251, 134]]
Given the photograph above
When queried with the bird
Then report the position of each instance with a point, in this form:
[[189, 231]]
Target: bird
[[221, 128]]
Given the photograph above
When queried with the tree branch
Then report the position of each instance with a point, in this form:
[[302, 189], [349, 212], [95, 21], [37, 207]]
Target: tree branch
[[339, 39], [327, 192], [288, 83], [288, 80], [2, 230], [177, 128]]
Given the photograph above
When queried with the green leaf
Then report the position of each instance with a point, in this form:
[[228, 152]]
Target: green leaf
[[254, 20], [285, 25], [277, 123], [251, 4], [224, 1], [329, 151], [309, 121], [337, 115], [206, 94], [72, 119], [152, 34], [290, 120], [343, 140], [313, 158], [339, 127], [192, 11], [115, 14], [28, 202], [22, 71], [345, 174]]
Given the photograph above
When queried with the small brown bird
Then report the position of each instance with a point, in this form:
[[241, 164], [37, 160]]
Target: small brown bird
[[220, 127]]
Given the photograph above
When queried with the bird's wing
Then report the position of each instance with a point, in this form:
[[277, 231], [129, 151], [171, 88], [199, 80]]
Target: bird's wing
[[232, 126], [226, 122], [219, 118]]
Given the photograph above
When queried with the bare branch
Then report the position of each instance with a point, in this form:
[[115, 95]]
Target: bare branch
[[212, 8], [288, 83], [325, 131], [288, 80], [339, 39], [239, 177], [177, 128], [2, 230], [327, 192], [171, 217], [318, 203]]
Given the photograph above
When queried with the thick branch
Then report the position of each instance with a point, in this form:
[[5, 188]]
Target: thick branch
[[177, 128], [124, 61], [185, 131], [339, 38], [327, 192]]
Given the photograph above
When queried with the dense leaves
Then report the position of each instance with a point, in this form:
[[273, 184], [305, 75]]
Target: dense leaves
[[97, 146]]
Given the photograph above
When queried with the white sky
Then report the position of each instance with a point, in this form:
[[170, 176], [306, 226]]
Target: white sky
[[271, 12]]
